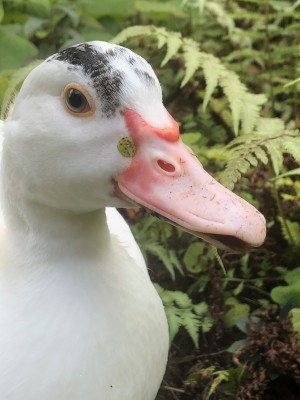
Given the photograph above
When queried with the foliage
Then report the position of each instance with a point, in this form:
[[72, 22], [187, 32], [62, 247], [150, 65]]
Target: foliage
[[267, 144], [181, 312], [230, 75], [244, 106], [290, 294], [216, 378]]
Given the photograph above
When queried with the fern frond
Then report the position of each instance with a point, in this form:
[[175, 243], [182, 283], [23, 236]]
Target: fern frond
[[293, 148], [290, 231], [164, 256], [161, 35], [181, 312], [192, 324], [234, 91], [182, 300], [262, 146], [223, 18], [198, 4], [245, 107], [212, 69], [219, 377], [133, 32], [260, 154], [174, 42], [276, 156], [192, 59], [174, 322], [250, 110]]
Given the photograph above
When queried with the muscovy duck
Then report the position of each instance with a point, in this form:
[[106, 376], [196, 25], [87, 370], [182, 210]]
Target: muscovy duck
[[79, 317]]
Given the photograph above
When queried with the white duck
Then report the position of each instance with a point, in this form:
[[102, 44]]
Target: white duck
[[79, 317]]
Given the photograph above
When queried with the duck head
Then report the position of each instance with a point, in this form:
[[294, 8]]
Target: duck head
[[89, 130]]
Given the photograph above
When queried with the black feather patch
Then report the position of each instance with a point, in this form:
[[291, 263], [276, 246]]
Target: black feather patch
[[106, 78]]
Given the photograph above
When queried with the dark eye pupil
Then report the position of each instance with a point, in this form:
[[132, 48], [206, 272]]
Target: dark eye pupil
[[76, 100]]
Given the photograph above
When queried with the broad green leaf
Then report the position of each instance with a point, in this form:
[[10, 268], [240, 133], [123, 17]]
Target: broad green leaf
[[191, 256], [38, 8], [236, 312], [191, 138], [289, 294], [292, 276], [1, 11], [236, 345], [92, 33], [33, 25], [295, 318], [243, 323], [154, 7], [238, 289], [17, 50], [111, 7]]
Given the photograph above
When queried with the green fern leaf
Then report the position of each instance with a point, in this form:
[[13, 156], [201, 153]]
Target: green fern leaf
[[162, 254], [212, 69], [261, 155], [230, 176], [201, 308], [192, 59], [290, 231], [293, 146], [214, 251], [192, 324], [252, 160], [206, 324], [182, 300], [234, 91], [134, 31], [175, 261], [174, 42], [161, 35], [276, 156], [266, 126], [181, 312], [221, 376], [174, 322], [250, 110]]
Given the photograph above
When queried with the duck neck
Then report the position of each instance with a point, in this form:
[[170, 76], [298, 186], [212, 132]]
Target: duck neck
[[50, 233]]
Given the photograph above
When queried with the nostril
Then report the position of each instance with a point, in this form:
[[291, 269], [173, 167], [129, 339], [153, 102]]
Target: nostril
[[166, 166]]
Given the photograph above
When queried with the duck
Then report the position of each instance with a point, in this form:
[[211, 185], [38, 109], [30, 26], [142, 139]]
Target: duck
[[79, 315]]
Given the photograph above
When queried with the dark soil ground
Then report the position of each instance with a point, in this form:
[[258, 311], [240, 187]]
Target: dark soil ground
[[270, 358]]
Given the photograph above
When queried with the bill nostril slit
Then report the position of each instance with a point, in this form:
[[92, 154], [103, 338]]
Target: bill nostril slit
[[166, 166]]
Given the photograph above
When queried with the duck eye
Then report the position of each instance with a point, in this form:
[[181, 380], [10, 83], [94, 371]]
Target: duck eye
[[77, 101]]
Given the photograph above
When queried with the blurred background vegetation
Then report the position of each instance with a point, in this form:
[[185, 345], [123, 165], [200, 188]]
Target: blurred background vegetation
[[230, 73]]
